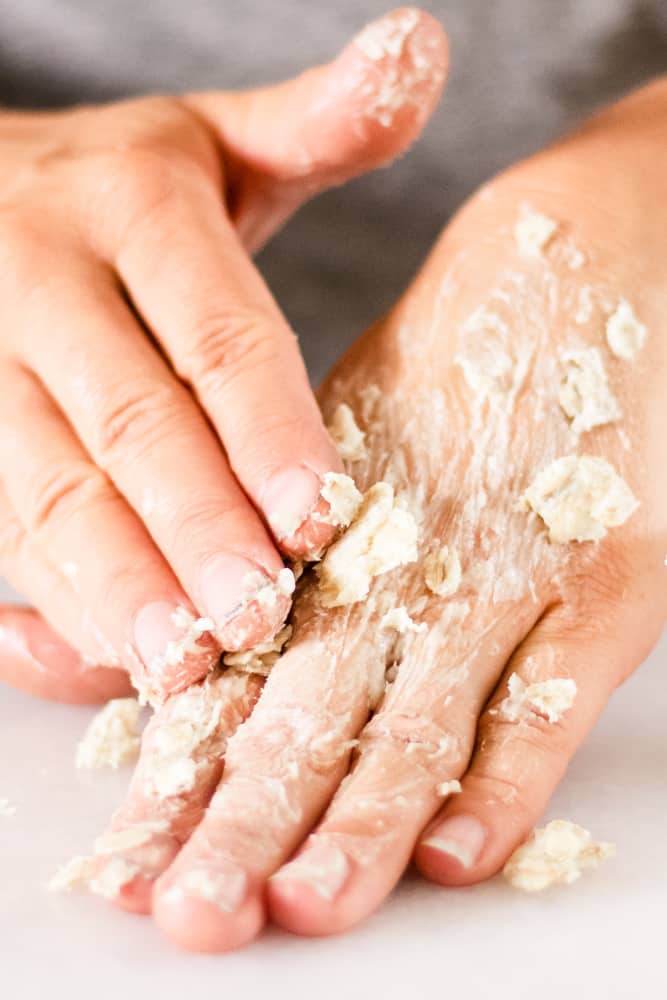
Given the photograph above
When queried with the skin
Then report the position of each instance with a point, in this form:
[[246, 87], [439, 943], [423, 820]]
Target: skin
[[161, 447], [312, 829]]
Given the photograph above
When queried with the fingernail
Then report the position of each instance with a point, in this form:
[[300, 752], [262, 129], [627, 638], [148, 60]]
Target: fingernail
[[168, 638], [230, 582], [324, 868], [225, 887], [289, 498], [461, 837]]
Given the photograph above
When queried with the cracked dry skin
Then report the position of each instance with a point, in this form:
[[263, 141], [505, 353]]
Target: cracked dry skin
[[454, 455]]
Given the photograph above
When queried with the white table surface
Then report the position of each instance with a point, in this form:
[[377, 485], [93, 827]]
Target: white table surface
[[604, 937]]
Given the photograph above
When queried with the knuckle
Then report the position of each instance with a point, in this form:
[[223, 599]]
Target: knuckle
[[429, 742], [529, 738], [137, 417], [60, 490], [226, 344], [197, 523], [12, 539]]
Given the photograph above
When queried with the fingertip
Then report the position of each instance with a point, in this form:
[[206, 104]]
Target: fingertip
[[394, 71], [455, 851], [200, 925]]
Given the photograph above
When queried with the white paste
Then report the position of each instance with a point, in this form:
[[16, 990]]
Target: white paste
[[452, 787], [171, 767], [261, 658], [343, 497], [347, 436], [442, 571], [552, 698], [177, 650], [584, 392], [382, 537], [400, 620], [556, 853], [579, 497], [625, 333], [533, 231], [112, 738]]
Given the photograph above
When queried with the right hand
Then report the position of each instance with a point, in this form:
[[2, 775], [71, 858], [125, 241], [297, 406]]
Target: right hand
[[156, 414]]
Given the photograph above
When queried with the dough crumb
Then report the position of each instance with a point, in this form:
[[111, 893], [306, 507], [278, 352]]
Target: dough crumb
[[584, 393], [442, 571], [261, 658], [579, 497], [382, 537], [452, 787], [6, 808], [73, 873], [346, 435], [533, 232], [556, 853], [552, 698], [343, 497], [625, 333], [400, 620], [112, 738], [112, 876]]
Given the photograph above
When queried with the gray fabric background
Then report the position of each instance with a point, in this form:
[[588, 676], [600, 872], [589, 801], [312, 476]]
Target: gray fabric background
[[522, 71]]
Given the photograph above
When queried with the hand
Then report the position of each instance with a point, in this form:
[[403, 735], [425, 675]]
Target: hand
[[156, 414], [468, 409]]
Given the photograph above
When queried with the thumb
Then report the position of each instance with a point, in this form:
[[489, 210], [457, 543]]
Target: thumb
[[34, 659], [285, 143]]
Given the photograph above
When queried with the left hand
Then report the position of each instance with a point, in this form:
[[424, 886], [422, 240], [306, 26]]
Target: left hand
[[460, 452]]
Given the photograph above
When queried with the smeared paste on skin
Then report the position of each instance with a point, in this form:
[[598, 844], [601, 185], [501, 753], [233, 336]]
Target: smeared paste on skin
[[261, 658], [85, 872], [442, 571], [625, 333], [584, 392], [533, 232], [555, 854], [185, 738], [552, 698], [112, 738], [399, 620], [484, 357], [409, 62], [579, 497], [175, 654], [382, 537], [347, 435]]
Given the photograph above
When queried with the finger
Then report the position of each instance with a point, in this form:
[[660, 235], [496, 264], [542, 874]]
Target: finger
[[282, 769], [34, 657], [143, 427], [217, 321], [417, 743], [180, 764], [285, 143], [544, 706], [127, 595]]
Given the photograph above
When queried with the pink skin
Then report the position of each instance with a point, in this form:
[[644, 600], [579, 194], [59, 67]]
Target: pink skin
[[292, 832], [164, 468]]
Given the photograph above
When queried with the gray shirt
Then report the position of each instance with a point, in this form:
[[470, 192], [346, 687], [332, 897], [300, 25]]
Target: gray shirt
[[522, 71]]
